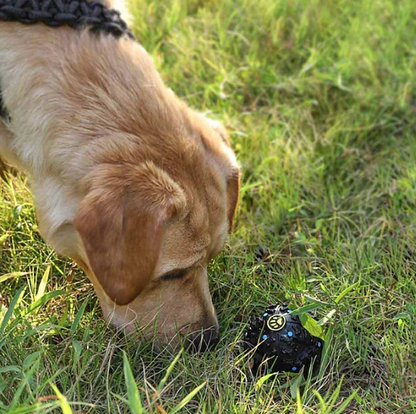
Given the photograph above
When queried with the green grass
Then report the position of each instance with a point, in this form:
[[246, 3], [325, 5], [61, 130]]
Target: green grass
[[320, 100]]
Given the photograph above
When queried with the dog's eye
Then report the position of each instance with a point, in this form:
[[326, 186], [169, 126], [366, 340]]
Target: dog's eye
[[174, 274]]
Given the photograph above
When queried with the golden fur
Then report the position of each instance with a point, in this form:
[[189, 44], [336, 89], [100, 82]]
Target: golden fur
[[128, 181]]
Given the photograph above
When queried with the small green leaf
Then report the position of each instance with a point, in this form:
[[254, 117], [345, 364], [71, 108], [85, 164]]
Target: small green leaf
[[311, 325]]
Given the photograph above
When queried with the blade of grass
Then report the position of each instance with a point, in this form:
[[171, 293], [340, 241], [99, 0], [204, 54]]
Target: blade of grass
[[168, 371], [347, 290], [78, 317], [43, 283], [66, 409], [133, 394], [12, 275], [10, 309], [188, 398]]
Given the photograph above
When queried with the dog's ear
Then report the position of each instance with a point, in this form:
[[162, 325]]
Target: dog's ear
[[121, 222], [233, 191], [233, 180]]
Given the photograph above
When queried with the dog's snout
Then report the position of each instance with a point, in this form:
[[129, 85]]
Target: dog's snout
[[203, 340]]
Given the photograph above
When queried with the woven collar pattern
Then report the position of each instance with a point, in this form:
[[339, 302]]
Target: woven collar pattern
[[73, 13]]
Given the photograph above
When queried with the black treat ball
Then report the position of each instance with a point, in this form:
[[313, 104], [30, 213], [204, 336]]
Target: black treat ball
[[281, 339]]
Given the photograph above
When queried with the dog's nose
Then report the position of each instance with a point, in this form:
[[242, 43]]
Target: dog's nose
[[203, 340]]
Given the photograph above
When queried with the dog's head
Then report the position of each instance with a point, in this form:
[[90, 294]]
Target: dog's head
[[149, 230]]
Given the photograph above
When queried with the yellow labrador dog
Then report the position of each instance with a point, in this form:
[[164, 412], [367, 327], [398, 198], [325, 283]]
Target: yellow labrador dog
[[128, 181]]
